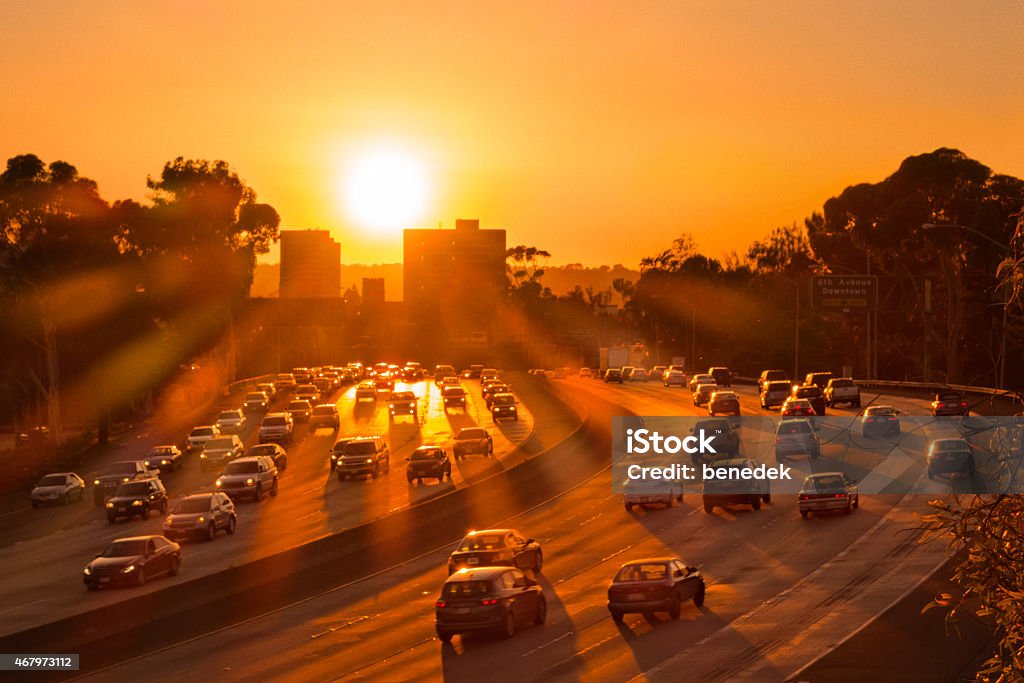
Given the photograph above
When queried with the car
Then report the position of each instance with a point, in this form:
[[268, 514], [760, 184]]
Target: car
[[627, 372], [114, 474], [442, 371], [428, 462], [503, 406], [675, 378], [722, 375], [880, 420], [231, 421], [164, 458], [654, 492], [325, 384], [950, 456], [249, 476], [726, 438], [325, 415], [267, 388], [454, 381], [658, 371], [489, 373], [702, 394], [201, 515], [771, 376], [739, 488], [471, 440], [724, 403], [842, 390], [811, 392], [818, 379], [273, 451], [657, 584], [300, 410], [949, 403], [366, 391], [613, 375], [367, 455], [285, 382], [595, 373], [220, 451], [492, 387], [473, 371], [337, 450], [256, 402], [797, 407], [774, 393], [138, 497], [702, 378], [403, 404], [308, 392], [453, 397], [796, 437], [496, 547], [59, 487], [584, 372], [412, 373], [198, 437], [489, 599], [827, 491], [277, 428], [639, 375], [384, 383], [132, 561]]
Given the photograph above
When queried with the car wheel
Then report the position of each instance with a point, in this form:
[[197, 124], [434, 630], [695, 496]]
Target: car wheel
[[140, 577], [273, 488], [92, 586], [175, 566], [616, 616], [163, 508], [258, 496], [508, 627], [849, 507], [698, 599], [676, 608], [211, 531], [756, 503], [419, 481], [410, 480], [542, 611], [232, 525], [709, 508], [856, 502], [111, 518], [804, 513], [35, 503], [767, 498], [629, 507], [63, 499], [375, 473]]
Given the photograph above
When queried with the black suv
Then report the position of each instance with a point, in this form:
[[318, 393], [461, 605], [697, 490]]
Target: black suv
[[488, 599], [113, 475], [363, 455], [722, 375], [428, 462], [137, 498]]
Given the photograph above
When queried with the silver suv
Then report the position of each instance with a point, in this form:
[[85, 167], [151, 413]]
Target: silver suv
[[796, 437], [277, 428], [250, 476], [220, 451]]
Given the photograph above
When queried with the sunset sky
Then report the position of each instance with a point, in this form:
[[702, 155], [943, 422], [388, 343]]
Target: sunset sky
[[599, 131]]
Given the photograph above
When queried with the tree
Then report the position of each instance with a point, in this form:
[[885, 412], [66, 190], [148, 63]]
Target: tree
[[785, 251], [527, 264]]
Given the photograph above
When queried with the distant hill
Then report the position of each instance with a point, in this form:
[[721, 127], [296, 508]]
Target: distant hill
[[561, 279]]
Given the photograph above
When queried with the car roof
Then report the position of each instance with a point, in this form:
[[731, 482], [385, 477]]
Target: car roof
[[825, 474], [199, 496], [139, 538], [326, 405], [281, 414], [249, 458], [651, 560], [730, 462]]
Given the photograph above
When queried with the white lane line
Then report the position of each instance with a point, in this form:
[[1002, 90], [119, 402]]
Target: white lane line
[[15, 512], [27, 604], [340, 626], [550, 642]]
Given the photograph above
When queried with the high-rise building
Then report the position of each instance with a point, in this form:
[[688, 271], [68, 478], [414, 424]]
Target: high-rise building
[[456, 277], [310, 265], [373, 293]]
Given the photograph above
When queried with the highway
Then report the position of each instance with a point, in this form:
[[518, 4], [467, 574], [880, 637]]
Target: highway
[[44, 550], [781, 590]]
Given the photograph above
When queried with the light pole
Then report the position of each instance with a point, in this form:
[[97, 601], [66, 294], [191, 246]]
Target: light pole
[[1006, 303]]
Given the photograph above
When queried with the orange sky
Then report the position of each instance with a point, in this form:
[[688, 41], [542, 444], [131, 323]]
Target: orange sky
[[598, 131]]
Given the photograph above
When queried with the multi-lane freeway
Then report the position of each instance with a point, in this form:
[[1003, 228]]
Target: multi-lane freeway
[[781, 590]]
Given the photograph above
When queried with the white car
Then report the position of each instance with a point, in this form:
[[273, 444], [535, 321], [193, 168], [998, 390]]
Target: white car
[[231, 421], [198, 437], [60, 487], [842, 390], [674, 378], [654, 492]]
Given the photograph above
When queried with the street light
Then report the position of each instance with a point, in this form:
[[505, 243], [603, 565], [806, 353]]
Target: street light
[[1006, 303]]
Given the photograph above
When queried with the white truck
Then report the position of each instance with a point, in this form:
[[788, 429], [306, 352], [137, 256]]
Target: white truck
[[614, 357]]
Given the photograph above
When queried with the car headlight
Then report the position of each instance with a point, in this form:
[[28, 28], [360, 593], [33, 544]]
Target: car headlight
[[137, 502], [110, 505], [369, 461], [130, 568], [87, 571], [95, 482], [125, 479], [202, 456], [200, 520], [165, 462], [391, 405], [250, 482], [217, 483]]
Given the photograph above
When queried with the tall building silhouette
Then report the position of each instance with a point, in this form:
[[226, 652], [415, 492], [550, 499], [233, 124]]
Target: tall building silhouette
[[310, 265]]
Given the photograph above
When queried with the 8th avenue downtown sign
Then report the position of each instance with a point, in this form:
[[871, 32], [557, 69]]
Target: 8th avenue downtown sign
[[844, 293]]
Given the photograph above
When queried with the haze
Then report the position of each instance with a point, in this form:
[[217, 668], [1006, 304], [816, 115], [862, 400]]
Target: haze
[[596, 131]]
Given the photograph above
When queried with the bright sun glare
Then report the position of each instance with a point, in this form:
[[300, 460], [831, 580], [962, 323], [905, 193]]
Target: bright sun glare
[[385, 189]]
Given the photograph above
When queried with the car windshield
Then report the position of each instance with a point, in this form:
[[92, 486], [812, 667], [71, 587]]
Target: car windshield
[[254, 397], [277, 421], [466, 589], [266, 449], [403, 396], [952, 445], [778, 386], [826, 483], [642, 572], [228, 415], [713, 426], [504, 399], [880, 410], [242, 467], [220, 442], [132, 488], [202, 431], [119, 468], [128, 548], [192, 506], [842, 383], [794, 428], [52, 480], [453, 391], [482, 542], [323, 410], [161, 450], [425, 454], [298, 405], [285, 378], [360, 448], [471, 434], [948, 397], [808, 392]]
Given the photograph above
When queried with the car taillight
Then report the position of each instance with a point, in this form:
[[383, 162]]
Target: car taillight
[[840, 495], [440, 603], [489, 601], [778, 439], [963, 404], [804, 497]]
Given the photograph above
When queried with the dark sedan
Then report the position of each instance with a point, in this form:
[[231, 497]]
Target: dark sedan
[[494, 599], [428, 462], [949, 403], [881, 421], [814, 396], [494, 547], [132, 561], [473, 440], [164, 458], [660, 584], [273, 451]]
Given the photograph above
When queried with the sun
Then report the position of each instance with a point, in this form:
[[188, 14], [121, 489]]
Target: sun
[[385, 189]]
